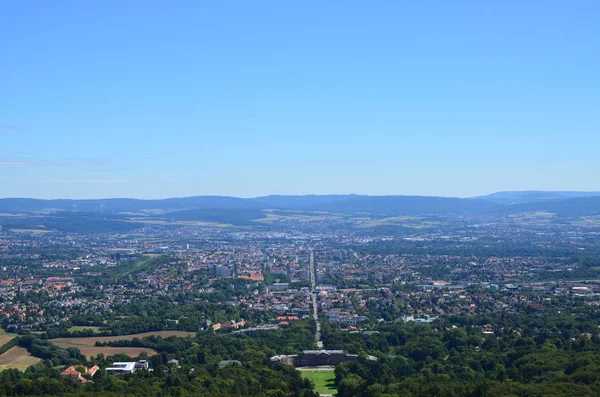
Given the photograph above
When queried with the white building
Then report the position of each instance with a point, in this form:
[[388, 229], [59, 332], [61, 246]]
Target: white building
[[121, 368]]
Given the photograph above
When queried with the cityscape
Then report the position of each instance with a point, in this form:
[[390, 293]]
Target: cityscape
[[328, 294], [299, 198]]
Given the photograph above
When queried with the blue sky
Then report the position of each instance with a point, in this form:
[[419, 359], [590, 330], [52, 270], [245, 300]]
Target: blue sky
[[162, 99]]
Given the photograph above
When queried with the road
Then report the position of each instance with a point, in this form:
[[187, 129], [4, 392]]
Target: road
[[313, 293]]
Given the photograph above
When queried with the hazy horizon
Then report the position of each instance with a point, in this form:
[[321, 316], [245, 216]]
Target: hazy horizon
[[299, 195]]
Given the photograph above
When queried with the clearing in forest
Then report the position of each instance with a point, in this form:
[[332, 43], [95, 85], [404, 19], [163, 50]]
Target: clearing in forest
[[17, 358], [88, 347]]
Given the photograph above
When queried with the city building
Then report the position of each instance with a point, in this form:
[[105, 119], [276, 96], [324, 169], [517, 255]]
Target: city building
[[316, 358], [121, 368], [75, 372], [222, 271]]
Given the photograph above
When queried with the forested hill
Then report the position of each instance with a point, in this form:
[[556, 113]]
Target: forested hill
[[534, 196], [567, 203]]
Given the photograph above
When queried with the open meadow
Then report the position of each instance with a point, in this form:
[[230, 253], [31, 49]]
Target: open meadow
[[82, 327], [88, 347], [324, 380], [17, 358], [5, 337]]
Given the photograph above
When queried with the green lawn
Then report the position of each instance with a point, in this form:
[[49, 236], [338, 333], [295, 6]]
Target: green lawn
[[6, 335], [82, 327], [324, 381]]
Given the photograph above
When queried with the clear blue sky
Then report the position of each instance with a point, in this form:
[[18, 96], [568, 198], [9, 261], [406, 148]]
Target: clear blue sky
[[246, 98]]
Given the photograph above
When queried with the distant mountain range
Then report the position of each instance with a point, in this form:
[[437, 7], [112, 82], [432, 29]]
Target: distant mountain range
[[534, 196], [567, 203]]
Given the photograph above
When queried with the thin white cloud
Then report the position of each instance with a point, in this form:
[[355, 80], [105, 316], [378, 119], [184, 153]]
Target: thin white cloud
[[93, 181], [7, 163]]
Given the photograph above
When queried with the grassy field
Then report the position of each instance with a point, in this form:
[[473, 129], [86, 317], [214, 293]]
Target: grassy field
[[4, 334], [88, 348], [587, 221], [413, 222], [30, 231], [82, 327], [297, 217], [5, 337], [145, 263], [532, 217], [323, 380], [17, 358]]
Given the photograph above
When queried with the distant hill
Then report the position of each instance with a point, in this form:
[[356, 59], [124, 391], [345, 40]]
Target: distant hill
[[65, 221], [120, 204], [388, 205], [171, 204], [533, 196], [579, 206], [244, 210], [406, 205], [234, 216]]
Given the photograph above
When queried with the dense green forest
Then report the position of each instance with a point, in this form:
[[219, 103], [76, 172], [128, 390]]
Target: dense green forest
[[482, 248], [525, 355], [198, 372]]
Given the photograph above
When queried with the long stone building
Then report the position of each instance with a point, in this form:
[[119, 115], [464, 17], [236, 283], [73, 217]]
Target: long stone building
[[316, 358]]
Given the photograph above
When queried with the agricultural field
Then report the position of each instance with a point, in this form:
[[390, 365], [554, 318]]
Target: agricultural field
[[413, 222], [17, 358], [88, 347], [93, 351], [5, 337], [529, 218], [298, 216], [324, 380]]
